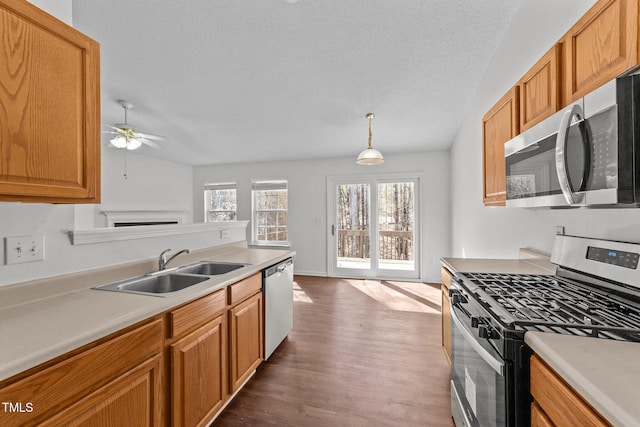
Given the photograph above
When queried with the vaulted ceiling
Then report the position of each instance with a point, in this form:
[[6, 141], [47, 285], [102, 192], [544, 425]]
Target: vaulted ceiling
[[231, 81]]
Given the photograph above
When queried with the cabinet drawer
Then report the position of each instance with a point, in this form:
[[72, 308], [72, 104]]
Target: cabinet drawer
[[196, 313], [558, 400], [57, 387], [245, 288]]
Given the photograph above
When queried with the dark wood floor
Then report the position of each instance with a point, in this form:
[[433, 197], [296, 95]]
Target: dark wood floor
[[361, 353]]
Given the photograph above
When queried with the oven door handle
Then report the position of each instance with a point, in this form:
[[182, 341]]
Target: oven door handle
[[495, 364]]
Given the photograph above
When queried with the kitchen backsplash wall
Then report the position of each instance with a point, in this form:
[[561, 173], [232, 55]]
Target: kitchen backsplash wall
[[308, 226], [151, 184], [479, 231]]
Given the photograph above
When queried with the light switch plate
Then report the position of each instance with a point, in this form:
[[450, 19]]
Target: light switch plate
[[23, 249]]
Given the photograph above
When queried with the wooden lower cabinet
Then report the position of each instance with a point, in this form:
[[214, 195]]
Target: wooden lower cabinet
[[127, 401], [555, 403], [245, 340], [538, 417], [178, 368], [198, 371], [117, 381], [446, 314]]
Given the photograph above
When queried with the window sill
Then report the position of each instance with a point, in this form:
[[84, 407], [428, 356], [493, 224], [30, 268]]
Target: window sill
[[286, 245]]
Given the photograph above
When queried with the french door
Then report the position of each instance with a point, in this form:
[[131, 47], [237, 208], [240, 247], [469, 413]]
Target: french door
[[373, 227]]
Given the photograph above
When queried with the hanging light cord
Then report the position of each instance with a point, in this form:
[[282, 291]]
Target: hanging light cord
[[370, 116]]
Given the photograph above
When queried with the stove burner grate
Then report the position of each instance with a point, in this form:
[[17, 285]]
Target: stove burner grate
[[554, 304]]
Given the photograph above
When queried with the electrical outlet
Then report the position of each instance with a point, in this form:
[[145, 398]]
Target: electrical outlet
[[23, 249]]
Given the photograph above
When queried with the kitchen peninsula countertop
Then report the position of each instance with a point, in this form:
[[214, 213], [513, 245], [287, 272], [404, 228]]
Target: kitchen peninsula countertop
[[45, 318], [604, 372]]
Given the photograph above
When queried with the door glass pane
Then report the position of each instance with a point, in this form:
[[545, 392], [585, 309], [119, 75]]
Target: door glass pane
[[353, 226], [396, 226]]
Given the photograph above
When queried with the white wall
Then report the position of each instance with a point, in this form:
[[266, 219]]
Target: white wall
[[61, 9], [307, 217], [479, 231]]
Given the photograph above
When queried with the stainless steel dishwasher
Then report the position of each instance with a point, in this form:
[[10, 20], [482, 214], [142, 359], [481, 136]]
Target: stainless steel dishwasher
[[278, 303]]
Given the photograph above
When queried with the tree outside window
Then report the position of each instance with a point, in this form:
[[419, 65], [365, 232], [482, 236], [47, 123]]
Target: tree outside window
[[220, 202], [270, 208]]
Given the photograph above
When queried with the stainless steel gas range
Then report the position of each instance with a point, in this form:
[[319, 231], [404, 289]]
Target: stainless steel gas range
[[595, 293]]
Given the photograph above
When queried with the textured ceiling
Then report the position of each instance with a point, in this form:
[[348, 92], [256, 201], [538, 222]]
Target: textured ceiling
[[230, 81]]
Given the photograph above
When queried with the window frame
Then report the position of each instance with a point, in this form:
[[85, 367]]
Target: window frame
[[219, 186], [268, 185]]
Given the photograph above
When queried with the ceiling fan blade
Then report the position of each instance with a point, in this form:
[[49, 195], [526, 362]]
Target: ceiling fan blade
[[154, 137], [150, 143], [110, 132]]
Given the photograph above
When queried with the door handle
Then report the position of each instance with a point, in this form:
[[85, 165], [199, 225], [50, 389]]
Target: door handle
[[333, 230], [561, 160]]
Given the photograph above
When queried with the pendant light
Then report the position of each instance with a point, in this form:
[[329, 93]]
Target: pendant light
[[370, 156]]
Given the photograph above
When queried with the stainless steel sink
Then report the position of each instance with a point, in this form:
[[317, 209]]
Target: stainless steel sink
[[156, 284], [209, 268]]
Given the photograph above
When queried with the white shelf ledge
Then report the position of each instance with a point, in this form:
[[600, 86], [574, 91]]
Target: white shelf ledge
[[111, 234]]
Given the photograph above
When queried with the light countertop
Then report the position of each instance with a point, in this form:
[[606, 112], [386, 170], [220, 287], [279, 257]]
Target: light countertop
[[46, 318], [530, 262], [606, 373]]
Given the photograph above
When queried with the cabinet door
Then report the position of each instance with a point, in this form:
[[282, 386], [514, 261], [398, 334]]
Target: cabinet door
[[198, 369], [132, 400], [446, 314], [499, 125], [539, 90], [245, 340], [94, 384], [558, 401], [600, 46], [446, 325], [50, 115], [538, 417]]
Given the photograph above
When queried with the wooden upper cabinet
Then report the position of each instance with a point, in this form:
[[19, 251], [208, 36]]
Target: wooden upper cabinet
[[499, 125], [49, 109], [540, 89], [602, 45]]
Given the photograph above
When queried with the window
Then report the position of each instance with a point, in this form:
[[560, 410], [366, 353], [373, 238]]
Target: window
[[220, 202], [270, 204]]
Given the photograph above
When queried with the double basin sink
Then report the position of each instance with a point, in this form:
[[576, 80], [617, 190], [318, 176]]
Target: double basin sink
[[167, 282]]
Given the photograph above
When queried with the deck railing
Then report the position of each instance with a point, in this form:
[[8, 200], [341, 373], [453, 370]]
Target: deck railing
[[394, 245]]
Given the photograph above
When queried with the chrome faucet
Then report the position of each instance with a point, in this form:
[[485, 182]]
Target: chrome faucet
[[162, 263]]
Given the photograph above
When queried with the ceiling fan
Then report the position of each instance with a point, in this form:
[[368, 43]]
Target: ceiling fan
[[126, 135]]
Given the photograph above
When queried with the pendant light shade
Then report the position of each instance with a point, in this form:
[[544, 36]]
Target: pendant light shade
[[370, 156]]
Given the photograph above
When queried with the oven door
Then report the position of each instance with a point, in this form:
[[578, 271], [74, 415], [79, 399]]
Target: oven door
[[478, 389]]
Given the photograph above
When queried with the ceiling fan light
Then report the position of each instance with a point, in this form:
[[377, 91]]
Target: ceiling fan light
[[370, 156], [119, 142], [133, 144]]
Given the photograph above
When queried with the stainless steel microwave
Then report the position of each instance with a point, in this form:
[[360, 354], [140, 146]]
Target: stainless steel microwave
[[587, 154]]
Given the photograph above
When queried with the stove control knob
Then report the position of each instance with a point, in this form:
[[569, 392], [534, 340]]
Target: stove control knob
[[458, 298], [487, 332], [476, 321]]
